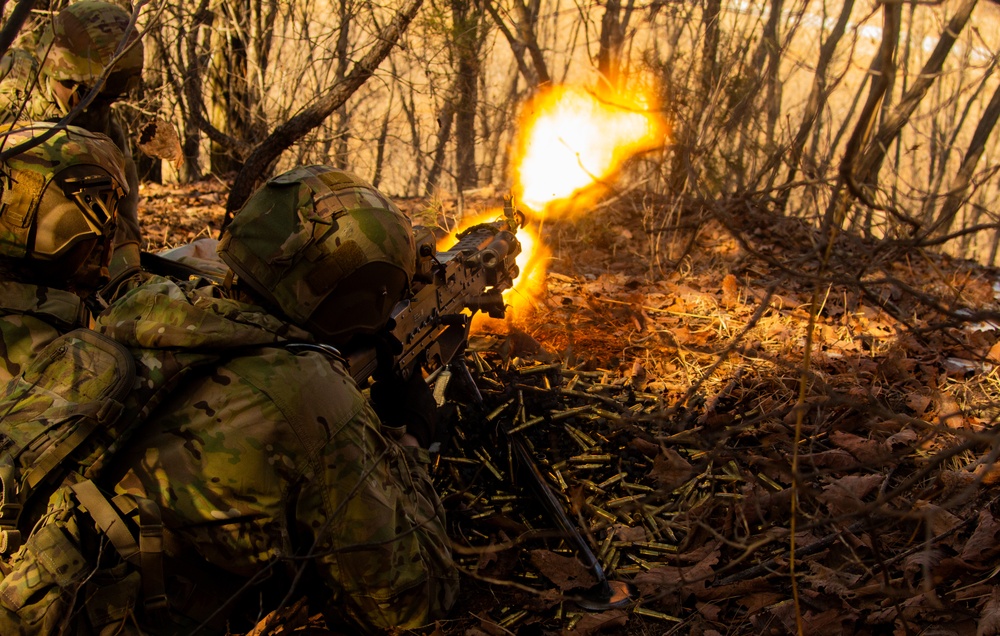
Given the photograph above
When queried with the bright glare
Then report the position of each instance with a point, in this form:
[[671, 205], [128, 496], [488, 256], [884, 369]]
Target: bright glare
[[530, 263], [572, 139], [569, 141]]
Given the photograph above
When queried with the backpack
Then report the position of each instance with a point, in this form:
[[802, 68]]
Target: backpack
[[67, 551]]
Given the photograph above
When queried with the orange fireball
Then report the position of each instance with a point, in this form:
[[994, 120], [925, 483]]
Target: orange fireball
[[572, 140], [571, 144]]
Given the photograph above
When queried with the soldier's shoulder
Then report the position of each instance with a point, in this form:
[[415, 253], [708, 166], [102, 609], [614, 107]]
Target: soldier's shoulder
[[312, 368], [304, 379]]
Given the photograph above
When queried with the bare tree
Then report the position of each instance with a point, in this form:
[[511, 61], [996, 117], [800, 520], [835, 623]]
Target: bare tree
[[963, 178], [342, 52], [614, 24], [871, 160], [258, 164], [469, 30], [817, 95], [880, 78], [527, 29], [711, 14], [446, 119], [524, 40], [771, 50], [237, 77]]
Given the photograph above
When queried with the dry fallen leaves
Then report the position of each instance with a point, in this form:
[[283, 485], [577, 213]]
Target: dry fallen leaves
[[565, 571]]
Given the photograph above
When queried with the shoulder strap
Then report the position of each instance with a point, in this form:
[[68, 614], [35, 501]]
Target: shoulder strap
[[146, 554]]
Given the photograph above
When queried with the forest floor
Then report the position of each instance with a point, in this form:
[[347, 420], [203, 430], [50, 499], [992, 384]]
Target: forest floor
[[739, 475]]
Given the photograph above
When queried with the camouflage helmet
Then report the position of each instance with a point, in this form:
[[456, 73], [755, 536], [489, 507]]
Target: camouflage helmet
[[325, 248], [59, 204], [82, 39]]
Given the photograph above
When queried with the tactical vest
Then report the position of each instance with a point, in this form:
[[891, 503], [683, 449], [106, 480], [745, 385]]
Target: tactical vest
[[60, 421]]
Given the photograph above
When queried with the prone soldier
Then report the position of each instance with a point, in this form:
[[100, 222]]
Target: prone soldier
[[245, 464], [272, 470]]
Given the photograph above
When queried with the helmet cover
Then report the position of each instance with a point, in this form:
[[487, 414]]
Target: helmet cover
[[82, 39], [59, 193], [306, 231]]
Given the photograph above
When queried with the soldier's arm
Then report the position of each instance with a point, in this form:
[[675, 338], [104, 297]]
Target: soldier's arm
[[380, 540]]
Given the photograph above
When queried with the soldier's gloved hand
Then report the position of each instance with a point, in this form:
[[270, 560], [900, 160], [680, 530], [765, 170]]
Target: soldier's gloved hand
[[408, 403]]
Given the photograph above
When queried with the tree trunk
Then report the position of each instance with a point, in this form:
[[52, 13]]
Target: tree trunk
[[468, 33], [960, 184], [516, 46], [383, 135], [228, 91], [342, 117], [611, 39], [772, 41], [148, 169], [817, 95], [237, 80], [445, 121], [941, 145], [494, 128], [880, 74], [410, 110], [527, 22], [871, 161], [201, 23], [710, 46]]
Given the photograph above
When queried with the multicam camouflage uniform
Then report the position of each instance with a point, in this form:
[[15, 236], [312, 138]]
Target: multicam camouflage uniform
[[77, 44], [273, 461], [30, 318], [57, 220], [267, 463], [31, 315], [19, 77]]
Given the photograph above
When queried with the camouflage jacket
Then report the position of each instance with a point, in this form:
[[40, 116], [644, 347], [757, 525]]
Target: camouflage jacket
[[30, 318], [272, 461]]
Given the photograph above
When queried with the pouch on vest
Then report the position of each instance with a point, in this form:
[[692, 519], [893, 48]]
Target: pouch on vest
[[51, 583], [66, 404]]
